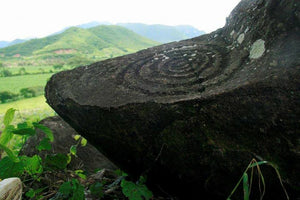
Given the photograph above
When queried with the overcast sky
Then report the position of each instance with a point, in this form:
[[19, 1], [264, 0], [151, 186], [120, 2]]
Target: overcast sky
[[39, 18]]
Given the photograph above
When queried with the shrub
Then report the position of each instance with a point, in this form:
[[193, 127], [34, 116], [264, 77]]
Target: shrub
[[5, 73], [7, 96], [22, 71], [58, 67], [32, 91]]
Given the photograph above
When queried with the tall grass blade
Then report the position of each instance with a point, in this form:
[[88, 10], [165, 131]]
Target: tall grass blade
[[246, 186], [280, 180], [255, 163]]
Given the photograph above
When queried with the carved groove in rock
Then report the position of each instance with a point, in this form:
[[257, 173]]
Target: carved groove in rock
[[191, 68]]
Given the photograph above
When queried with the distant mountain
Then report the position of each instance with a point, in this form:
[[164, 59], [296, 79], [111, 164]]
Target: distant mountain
[[95, 43], [163, 33], [93, 24], [84, 26], [156, 32], [3, 44], [6, 43]]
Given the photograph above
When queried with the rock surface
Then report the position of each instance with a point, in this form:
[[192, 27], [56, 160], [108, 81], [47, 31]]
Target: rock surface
[[192, 114], [88, 157]]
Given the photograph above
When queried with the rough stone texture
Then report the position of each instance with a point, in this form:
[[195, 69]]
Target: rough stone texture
[[88, 157], [192, 114]]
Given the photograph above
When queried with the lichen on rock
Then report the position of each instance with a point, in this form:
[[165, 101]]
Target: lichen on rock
[[257, 49], [241, 38]]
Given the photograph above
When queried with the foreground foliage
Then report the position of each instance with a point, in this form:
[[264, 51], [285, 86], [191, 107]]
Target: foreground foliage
[[48, 177], [247, 184]]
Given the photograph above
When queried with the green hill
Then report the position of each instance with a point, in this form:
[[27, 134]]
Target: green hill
[[92, 44]]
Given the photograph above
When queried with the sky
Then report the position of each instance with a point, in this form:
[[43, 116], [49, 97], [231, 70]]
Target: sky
[[39, 18]]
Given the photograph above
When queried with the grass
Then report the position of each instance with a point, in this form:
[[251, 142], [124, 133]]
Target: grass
[[28, 108], [247, 184], [15, 83], [31, 69]]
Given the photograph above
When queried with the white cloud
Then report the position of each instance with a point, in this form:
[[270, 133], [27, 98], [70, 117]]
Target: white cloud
[[21, 19]]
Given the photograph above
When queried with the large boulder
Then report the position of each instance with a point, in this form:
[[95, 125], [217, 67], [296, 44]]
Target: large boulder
[[192, 114]]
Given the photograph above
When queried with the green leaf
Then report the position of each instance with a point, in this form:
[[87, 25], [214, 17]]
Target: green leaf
[[97, 190], [6, 135], [258, 163], [66, 188], [30, 193], [32, 165], [9, 116], [78, 190], [58, 161], [246, 186], [69, 158], [80, 174], [24, 131], [44, 145], [73, 150], [135, 191], [76, 137], [10, 153], [83, 141], [45, 129], [10, 168], [72, 190], [23, 125]]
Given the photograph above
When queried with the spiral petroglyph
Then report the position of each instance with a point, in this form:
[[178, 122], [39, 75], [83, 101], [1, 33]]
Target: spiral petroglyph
[[193, 66]]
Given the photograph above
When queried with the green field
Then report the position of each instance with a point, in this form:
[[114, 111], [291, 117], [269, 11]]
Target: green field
[[36, 69], [27, 108], [15, 83], [31, 69]]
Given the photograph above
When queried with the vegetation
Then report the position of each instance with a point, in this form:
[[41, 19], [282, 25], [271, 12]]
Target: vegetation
[[6, 96], [32, 108], [35, 170], [247, 184], [93, 44], [16, 83]]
